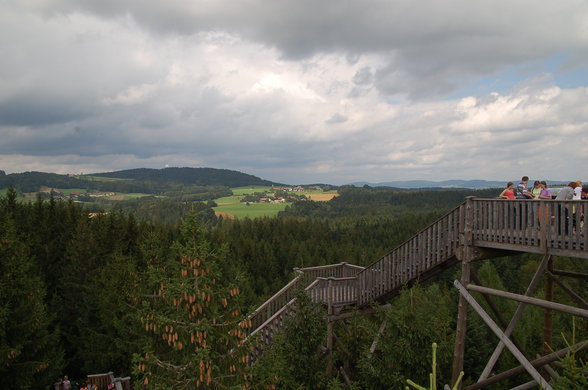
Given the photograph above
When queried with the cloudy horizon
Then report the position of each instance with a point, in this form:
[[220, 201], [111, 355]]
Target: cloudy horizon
[[335, 91]]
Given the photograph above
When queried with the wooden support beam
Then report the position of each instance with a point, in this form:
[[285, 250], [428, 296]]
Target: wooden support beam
[[461, 327], [503, 337], [548, 359], [362, 312], [530, 300], [345, 376], [525, 386], [568, 290], [377, 338], [552, 373], [515, 318], [497, 312], [465, 254], [570, 274], [548, 313], [330, 325]]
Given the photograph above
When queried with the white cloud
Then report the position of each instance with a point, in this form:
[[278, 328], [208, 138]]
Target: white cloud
[[293, 91]]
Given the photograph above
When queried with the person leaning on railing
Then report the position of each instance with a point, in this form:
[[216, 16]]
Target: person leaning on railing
[[536, 190], [522, 191], [578, 190], [545, 192], [566, 193], [508, 192]]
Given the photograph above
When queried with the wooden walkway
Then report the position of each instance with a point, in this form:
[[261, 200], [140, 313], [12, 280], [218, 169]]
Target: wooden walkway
[[477, 229]]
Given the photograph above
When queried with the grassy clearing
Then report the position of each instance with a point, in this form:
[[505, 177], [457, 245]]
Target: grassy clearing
[[253, 210], [69, 191], [248, 190], [231, 206], [131, 196], [98, 178], [227, 200]]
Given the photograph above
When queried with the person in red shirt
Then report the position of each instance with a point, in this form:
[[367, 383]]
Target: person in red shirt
[[508, 192]]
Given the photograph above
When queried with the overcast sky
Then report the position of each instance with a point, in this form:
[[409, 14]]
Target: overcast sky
[[297, 91]]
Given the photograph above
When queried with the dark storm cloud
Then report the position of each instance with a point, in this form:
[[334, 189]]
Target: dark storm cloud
[[431, 46], [34, 110]]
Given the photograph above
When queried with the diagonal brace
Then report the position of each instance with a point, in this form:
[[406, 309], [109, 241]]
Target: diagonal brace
[[515, 318], [502, 336]]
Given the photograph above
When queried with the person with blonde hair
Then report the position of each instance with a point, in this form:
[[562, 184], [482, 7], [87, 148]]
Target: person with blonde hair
[[536, 190]]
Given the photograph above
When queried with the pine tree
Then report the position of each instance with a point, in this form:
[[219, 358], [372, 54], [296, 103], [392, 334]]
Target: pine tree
[[193, 319], [29, 351]]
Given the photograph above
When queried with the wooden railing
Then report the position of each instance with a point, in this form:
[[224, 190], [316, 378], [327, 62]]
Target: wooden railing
[[305, 277], [432, 247], [337, 291], [536, 226], [265, 332]]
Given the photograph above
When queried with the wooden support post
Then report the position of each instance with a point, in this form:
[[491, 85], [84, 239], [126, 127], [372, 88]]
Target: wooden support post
[[465, 255], [548, 313], [503, 337], [569, 291], [515, 318], [330, 325], [461, 327], [377, 338]]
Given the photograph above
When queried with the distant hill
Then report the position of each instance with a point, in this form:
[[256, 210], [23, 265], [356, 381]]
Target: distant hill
[[471, 184], [33, 181], [195, 176], [134, 180]]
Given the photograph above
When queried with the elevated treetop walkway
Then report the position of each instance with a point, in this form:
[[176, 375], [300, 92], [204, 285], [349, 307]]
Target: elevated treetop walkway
[[475, 230]]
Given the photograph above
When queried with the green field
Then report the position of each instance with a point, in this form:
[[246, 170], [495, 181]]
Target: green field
[[253, 210], [232, 204], [249, 190], [134, 195], [99, 178], [69, 191]]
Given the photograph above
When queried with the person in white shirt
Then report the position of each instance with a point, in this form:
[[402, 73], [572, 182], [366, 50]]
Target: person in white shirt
[[578, 191]]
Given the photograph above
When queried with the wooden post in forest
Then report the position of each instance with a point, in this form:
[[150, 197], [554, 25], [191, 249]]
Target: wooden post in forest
[[548, 316], [465, 255], [330, 326]]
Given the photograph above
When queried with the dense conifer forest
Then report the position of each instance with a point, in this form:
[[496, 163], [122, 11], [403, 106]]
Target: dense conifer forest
[[161, 298]]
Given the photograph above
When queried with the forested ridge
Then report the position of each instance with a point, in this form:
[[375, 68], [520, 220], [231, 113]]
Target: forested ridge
[[163, 302], [144, 180]]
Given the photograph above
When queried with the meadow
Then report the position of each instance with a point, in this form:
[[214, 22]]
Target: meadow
[[232, 207]]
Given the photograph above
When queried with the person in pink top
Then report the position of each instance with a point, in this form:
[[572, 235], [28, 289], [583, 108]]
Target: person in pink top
[[508, 192]]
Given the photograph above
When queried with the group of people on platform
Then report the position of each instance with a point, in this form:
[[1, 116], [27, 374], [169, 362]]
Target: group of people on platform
[[66, 384], [573, 191]]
